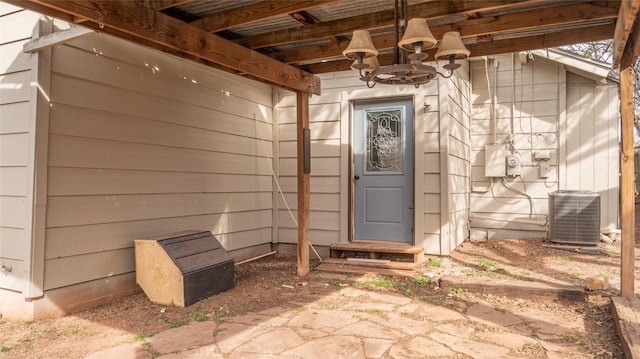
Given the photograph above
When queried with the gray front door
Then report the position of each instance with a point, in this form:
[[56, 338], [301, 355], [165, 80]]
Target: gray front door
[[383, 171]]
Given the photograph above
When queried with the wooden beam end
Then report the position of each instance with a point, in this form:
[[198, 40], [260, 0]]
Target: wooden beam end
[[313, 83]]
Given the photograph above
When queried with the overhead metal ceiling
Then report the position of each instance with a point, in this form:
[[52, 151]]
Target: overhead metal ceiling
[[309, 35]]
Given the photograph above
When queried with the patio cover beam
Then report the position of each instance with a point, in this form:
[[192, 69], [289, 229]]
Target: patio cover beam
[[626, 19], [144, 24]]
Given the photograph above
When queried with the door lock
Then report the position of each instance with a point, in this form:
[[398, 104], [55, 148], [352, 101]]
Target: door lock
[[356, 177]]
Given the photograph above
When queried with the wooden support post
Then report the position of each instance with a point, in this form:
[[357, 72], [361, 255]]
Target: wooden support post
[[627, 210], [303, 185]]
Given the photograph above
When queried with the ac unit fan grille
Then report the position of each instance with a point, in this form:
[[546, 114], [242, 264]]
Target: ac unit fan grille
[[574, 217]]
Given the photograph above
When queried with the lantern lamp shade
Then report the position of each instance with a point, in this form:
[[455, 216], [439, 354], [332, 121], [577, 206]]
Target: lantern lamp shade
[[360, 44], [452, 45], [417, 34], [371, 62]]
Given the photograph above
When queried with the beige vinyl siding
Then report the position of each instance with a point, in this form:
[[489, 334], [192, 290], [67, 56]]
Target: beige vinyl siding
[[592, 160], [141, 144], [552, 107], [330, 166], [429, 128], [325, 125], [17, 118], [459, 167], [534, 89]]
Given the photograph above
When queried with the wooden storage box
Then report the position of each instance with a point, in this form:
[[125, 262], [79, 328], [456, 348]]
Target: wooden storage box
[[182, 268]]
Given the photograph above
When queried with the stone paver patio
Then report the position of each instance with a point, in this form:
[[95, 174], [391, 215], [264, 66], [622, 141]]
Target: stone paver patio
[[376, 325]]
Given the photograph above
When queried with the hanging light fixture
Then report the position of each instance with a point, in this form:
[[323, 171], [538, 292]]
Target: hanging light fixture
[[415, 40]]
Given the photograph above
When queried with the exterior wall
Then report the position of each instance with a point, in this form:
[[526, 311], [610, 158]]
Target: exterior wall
[[590, 153], [325, 181], [546, 109], [17, 146], [330, 118], [458, 153], [140, 144], [534, 92]]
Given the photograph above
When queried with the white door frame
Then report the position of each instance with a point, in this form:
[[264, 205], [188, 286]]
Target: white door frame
[[350, 157]]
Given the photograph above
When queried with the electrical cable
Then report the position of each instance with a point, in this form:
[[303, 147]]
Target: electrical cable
[[275, 178], [532, 205]]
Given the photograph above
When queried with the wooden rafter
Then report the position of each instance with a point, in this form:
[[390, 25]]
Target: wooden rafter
[[562, 38], [164, 4], [149, 25], [492, 47], [626, 18], [565, 14], [380, 19], [252, 13]]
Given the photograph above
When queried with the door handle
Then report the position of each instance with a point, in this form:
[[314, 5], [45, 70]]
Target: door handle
[[356, 177]]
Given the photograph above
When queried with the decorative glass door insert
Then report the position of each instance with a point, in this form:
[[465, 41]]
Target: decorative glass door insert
[[384, 140]]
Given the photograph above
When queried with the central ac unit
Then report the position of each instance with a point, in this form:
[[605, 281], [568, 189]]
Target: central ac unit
[[574, 217]]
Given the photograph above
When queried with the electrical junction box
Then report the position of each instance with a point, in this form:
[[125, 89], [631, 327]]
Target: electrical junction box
[[514, 167], [545, 169], [494, 156], [542, 155]]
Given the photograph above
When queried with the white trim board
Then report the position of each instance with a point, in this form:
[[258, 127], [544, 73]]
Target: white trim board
[[56, 38]]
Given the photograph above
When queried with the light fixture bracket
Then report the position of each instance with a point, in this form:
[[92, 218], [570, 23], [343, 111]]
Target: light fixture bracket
[[415, 73], [414, 41]]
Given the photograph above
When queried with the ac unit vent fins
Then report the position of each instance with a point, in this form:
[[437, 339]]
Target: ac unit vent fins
[[574, 217]]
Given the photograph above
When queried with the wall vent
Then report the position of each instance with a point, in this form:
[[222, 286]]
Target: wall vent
[[574, 217]]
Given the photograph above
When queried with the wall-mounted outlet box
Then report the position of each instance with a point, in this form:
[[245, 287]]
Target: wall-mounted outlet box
[[494, 156], [542, 155], [545, 169]]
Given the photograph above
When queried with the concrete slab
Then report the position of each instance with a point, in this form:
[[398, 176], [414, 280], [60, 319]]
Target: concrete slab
[[373, 330], [345, 347], [375, 348], [419, 347], [133, 351], [184, 338], [491, 316], [274, 341], [474, 349]]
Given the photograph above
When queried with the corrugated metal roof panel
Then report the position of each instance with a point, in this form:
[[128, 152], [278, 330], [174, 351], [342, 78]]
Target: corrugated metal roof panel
[[205, 8], [267, 25], [551, 29]]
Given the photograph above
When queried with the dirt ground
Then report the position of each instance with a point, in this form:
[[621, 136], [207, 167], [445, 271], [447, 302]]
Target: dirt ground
[[271, 282]]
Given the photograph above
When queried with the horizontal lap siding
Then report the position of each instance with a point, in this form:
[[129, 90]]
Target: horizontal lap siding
[[431, 132], [330, 119], [592, 143], [142, 144], [16, 145], [330, 145], [537, 100], [459, 155], [325, 127]]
